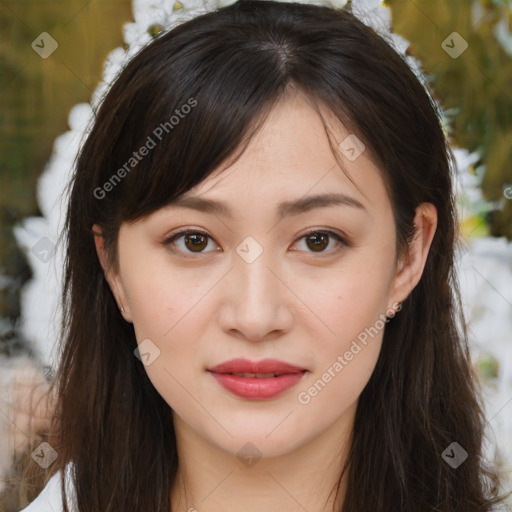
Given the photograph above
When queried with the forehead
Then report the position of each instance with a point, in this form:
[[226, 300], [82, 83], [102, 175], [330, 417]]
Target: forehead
[[290, 157]]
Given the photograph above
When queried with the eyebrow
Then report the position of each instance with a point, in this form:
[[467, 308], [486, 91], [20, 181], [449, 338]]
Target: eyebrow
[[296, 207]]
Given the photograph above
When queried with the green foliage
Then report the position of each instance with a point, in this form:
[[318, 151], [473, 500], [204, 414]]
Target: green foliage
[[476, 86]]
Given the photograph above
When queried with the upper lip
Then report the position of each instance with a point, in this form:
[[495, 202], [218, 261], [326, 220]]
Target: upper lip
[[263, 366]]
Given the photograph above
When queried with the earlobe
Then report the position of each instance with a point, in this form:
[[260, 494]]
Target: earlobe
[[410, 268], [109, 276]]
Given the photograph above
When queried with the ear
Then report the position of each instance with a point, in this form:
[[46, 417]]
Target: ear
[[410, 267], [113, 279]]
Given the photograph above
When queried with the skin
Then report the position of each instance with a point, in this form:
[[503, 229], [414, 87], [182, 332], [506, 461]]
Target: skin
[[292, 303]]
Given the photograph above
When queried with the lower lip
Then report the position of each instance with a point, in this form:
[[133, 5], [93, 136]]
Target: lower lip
[[257, 389]]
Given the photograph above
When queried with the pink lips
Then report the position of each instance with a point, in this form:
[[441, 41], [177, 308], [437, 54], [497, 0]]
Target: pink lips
[[255, 380]]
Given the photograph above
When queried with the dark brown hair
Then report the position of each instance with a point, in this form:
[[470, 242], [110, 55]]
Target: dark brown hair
[[232, 66]]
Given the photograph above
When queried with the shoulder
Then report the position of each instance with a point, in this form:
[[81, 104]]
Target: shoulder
[[50, 498]]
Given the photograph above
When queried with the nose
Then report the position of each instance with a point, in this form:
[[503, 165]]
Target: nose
[[256, 301]]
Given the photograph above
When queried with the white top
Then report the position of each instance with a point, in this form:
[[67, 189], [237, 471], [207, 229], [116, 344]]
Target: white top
[[50, 498]]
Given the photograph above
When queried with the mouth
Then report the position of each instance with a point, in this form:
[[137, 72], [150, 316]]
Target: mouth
[[257, 380], [254, 375], [265, 368]]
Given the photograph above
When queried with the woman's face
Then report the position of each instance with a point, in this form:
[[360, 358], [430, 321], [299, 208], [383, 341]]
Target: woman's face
[[251, 283]]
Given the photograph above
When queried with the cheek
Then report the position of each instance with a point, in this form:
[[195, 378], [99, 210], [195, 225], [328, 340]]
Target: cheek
[[168, 309], [347, 353], [349, 301], [352, 305], [161, 297]]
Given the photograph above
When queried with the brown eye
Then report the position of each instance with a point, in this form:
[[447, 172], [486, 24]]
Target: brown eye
[[317, 241], [188, 242], [196, 242]]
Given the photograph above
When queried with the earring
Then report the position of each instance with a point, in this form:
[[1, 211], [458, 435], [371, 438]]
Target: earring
[[122, 309]]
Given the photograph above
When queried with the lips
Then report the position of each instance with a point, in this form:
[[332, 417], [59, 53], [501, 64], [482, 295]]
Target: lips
[[262, 369], [257, 380]]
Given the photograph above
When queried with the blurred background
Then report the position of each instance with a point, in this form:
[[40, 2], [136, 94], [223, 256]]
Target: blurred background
[[36, 95], [463, 48]]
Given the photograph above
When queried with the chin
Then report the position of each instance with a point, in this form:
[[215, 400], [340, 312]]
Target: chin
[[257, 443]]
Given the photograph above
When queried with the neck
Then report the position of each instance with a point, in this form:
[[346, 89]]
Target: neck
[[210, 479]]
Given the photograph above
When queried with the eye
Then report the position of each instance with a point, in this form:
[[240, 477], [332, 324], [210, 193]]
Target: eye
[[317, 240], [194, 241]]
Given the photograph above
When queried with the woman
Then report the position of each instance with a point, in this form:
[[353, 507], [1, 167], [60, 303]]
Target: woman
[[261, 311]]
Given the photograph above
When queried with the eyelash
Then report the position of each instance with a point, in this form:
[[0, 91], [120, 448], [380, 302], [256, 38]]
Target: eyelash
[[332, 234]]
